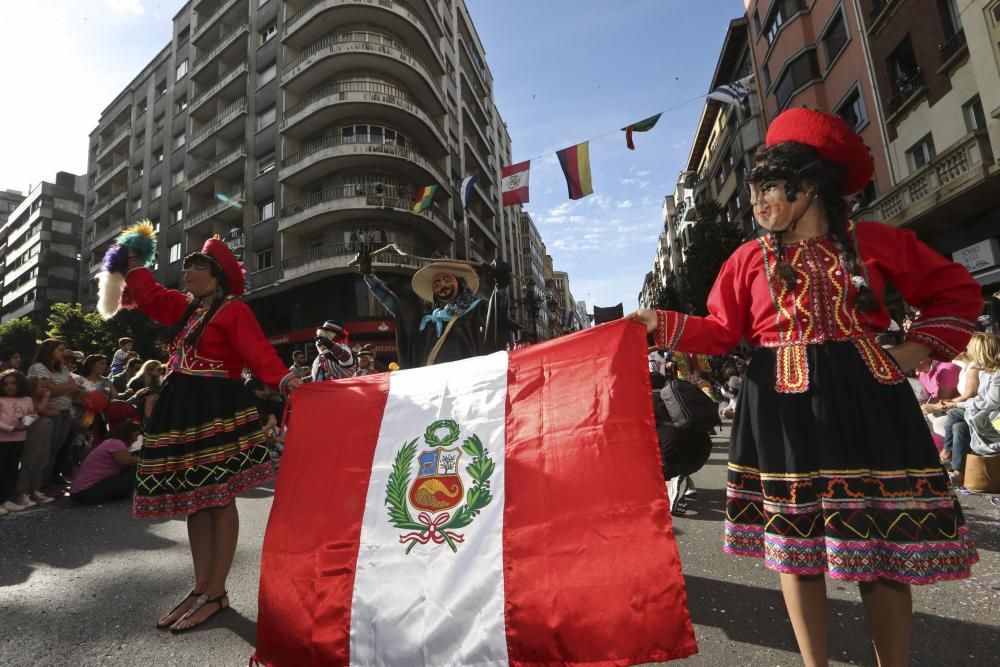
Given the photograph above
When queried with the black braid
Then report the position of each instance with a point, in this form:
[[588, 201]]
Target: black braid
[[218, 298], [783, 269], [794, 163]]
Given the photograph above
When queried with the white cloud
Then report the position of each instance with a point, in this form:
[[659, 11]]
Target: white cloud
[[625, 204], [131, 6]]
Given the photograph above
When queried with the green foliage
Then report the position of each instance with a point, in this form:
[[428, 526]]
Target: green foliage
[[668, 297], [713, 240], [22, 336], [479, 496], [133, 324], [396, 491], [81, 331]]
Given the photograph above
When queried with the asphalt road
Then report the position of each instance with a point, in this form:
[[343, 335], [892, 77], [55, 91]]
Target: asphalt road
[[84, 586]]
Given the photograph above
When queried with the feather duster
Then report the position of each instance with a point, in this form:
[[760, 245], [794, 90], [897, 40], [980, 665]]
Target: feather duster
[[138, 240]]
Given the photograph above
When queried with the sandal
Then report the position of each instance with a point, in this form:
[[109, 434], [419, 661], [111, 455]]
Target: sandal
[[216, 601], [945, 455], [164, 626]]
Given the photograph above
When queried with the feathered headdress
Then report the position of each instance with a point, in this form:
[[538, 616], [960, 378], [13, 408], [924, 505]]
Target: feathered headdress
[[138, 240]]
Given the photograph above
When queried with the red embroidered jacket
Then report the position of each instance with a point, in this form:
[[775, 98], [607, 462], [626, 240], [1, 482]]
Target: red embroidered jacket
[[749, 300], [231, 341]]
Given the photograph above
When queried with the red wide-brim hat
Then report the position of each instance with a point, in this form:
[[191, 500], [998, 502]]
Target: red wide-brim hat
[[231, 267], [831, 137]]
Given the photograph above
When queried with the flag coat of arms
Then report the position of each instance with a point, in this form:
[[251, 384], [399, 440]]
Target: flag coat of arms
[[502, 510], [514, 183]]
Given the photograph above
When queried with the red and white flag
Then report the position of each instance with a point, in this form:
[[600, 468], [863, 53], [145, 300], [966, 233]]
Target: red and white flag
[[506, 509], [514, 183]]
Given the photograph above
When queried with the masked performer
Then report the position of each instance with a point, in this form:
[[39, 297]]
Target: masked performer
[[832, 470], [335, 360]]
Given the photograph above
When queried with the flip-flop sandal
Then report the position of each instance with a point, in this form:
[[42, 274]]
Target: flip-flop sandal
[[216, 601], [164, 626]]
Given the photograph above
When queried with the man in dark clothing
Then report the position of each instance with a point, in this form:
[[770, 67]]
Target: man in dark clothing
[[446, 321]]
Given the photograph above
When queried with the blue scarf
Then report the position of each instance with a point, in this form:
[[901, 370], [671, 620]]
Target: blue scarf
[[459, 306]]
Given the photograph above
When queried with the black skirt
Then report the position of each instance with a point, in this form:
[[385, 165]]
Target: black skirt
[[204, 445], [842, 478]]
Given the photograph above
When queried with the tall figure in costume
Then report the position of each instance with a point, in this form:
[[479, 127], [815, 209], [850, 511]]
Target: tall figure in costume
[[445, 322], [204, 444], [832, 470], [366, 362], [335, 359]]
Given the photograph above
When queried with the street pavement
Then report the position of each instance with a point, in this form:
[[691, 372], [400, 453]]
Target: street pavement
[[84, 585]]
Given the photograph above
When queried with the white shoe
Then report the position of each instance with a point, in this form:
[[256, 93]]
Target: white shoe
[[3, 512], [691, 490], [40, 498], [11, 506], [24, 501]]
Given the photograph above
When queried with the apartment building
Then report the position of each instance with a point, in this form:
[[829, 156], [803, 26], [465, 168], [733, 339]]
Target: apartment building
[[937, 72], [812, 53], [9, 200], [40, 249], [531, 279], [300, 131]]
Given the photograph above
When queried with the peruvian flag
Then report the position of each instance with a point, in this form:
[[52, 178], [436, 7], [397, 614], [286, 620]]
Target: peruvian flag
[[514, 183], [506, 509]]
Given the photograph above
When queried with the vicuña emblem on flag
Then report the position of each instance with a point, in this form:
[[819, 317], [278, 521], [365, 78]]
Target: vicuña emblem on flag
[[438, 486]]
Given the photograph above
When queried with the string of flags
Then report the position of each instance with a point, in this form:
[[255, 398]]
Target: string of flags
[[575, 160]]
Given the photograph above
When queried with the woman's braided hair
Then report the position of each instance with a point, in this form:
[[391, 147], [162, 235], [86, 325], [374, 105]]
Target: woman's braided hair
[[796, 163], [218, 299]]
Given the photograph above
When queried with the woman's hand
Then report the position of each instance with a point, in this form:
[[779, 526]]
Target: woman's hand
[[909, 354], [645, 316]]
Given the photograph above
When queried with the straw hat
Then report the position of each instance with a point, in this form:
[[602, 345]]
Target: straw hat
[[423, 280]]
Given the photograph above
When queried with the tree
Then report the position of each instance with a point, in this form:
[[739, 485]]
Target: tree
[[668, 297], [133, 324], [81, 331], [20, 335], [713, 240]]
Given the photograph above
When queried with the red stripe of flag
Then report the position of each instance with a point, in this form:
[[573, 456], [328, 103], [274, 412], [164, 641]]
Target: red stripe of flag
[[314, 532], [578, 554]]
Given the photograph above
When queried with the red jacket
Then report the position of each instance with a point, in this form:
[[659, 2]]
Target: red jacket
[[749, 301], [231, 341]]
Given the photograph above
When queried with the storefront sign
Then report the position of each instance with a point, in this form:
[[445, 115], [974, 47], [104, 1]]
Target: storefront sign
[[982, 255]]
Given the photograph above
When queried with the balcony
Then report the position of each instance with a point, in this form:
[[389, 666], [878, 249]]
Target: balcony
[[346, 203], [203, 172], [339, 256], [105, 146], [304, 166], [225, 117], [225, 202], [879, 14], [104, 175], [300, 74], [952, 47], [204, 24], [104, 204], [964, 166], [355, 98], [227, 79], [904, 89], [100, 238], [224, 42]]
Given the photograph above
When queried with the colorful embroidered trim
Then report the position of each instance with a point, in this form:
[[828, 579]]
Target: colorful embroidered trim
[[189, 502], [669, 328], [881, 364], [792, 369]]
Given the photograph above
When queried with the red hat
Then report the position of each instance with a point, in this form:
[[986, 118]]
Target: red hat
[[119, 411], [831, 137], [231, 267]]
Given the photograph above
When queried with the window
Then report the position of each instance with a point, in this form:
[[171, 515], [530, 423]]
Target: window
[[182, 70], [139, 171], [175, 253], [972, 112], [267, 75], [268, 32], [136, 204], [852, 109], [178, 215], [265, 259], [756, 23], [921, 153], [141, 107], [951, 20], [902, 63], [765, 73], [183, 35], [158, 154], [798, 73], [161, 89], [182, 104], [835, 38], [781, 12], [265, 211], [177, 177], [265, 164], [179, 140], [265, 118], [156, 191], [261, 3]]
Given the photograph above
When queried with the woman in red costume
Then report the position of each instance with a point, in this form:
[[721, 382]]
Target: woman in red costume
[[204, 444], [832, 470]]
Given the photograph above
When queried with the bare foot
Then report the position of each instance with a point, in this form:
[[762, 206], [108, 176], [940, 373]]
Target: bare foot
[[185, 605]]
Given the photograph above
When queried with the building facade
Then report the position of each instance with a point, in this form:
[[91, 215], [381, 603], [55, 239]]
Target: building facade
[[300, 131], [40, 249], [531, 280], [937, 71], [813, 53]]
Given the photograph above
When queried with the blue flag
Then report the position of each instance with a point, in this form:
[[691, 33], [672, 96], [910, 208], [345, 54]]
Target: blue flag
[[466, 189]]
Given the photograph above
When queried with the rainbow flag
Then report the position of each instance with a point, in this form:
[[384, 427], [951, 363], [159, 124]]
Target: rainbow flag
[[575, 163], [425, 196], [644, 125]]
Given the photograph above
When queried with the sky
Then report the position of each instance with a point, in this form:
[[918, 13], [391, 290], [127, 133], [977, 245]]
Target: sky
[[564, 71]]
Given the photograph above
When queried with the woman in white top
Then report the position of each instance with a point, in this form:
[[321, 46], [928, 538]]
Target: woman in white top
[[48, 364]]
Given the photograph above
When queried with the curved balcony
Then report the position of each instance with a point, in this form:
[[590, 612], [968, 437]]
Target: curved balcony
[[216, 165], [312, 22], [226, 116], [226, 206], [310, 163], [104, 175], [105, 146], [104, 204], [226, 45], [347, 204], [302, 74], [335, 256], [359, 99], [228, 83]]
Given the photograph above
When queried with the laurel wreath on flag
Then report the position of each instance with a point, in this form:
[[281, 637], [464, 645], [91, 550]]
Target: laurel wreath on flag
[[478, 496]]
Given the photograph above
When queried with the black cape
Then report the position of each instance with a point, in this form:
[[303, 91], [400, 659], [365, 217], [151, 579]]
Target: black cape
[[466, 338]]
